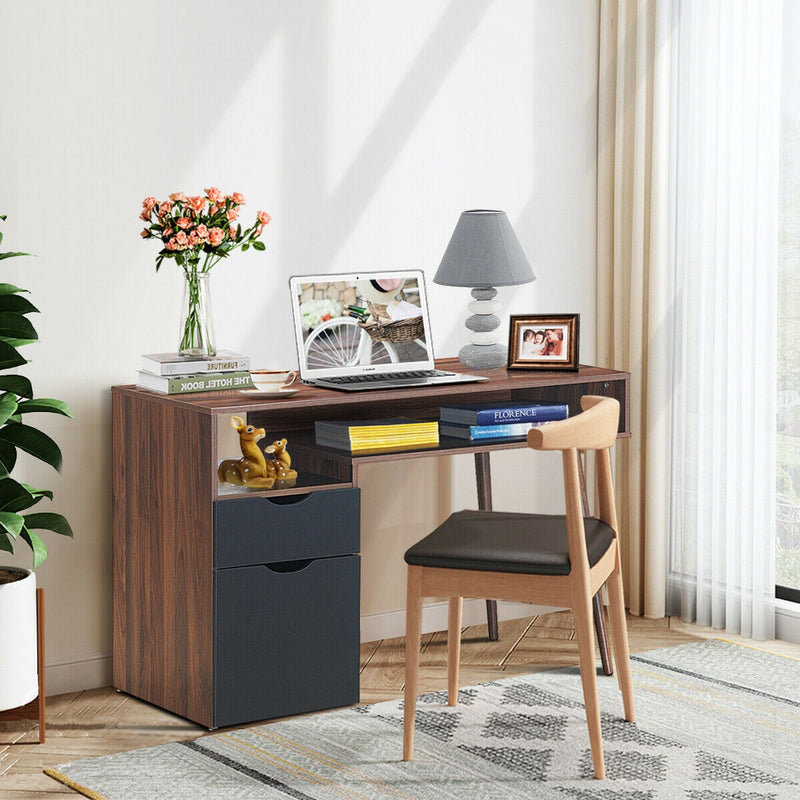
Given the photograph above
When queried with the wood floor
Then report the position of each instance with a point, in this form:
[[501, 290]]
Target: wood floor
[[103, 721]]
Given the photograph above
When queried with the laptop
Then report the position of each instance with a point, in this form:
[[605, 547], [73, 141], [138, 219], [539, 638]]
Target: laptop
[[366, 330]]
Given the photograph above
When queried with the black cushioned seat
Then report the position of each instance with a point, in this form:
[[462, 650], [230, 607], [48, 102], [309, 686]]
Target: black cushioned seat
[[499, 541]]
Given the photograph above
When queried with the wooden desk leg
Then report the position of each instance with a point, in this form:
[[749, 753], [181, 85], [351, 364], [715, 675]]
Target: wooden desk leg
[[483, 478], [597, 601]]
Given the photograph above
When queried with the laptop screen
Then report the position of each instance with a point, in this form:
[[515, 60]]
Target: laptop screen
[[363, 322]]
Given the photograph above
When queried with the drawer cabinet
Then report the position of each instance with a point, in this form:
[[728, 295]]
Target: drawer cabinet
[[286, 605]]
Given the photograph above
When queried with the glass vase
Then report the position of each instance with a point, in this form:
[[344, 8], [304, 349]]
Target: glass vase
[[197, 326]]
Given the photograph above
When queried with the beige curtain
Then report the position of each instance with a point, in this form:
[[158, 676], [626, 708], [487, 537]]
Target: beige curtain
[[633, 301]]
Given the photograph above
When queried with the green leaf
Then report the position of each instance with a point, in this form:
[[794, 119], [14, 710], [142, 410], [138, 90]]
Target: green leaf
[[9, 357], [48, 522], [9, 288], [16, 496], [5, 543], [13, 325], [12, 255], [259, 246], [245, 248], [17, 303], [37, 545], [32, 441], [12, 523], [8, 458], [44, 404], [8, 407], [18, 384]]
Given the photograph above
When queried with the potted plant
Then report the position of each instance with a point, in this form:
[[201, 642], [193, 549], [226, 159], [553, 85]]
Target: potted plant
[[18, 678]]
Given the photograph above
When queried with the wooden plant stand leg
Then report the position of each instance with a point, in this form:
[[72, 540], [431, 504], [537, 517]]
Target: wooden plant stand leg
[[35, 709], [483, 478], [597, 600]]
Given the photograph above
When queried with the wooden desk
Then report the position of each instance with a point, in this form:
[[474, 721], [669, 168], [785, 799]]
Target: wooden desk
[[166, 496]]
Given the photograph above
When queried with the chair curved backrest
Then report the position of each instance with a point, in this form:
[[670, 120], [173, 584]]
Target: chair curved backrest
[[593, 429]]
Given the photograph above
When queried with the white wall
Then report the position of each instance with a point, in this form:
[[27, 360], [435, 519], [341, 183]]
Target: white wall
[[363, 127]]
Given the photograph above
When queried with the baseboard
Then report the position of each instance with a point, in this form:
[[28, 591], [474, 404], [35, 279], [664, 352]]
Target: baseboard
[[75, 675], [391, 624], [787, 621]]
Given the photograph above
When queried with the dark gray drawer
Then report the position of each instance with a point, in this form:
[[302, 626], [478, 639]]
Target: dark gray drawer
[[286, 638], [265, 530]]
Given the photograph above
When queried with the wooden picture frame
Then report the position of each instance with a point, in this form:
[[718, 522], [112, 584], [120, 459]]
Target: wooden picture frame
[[544, 341]]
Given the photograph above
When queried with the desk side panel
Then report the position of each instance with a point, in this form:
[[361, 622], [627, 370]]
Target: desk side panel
[[162, 555]]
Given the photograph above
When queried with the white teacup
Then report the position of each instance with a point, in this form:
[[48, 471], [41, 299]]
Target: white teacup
[[271, 381]]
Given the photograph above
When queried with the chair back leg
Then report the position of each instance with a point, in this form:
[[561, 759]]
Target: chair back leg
[[413, 640]]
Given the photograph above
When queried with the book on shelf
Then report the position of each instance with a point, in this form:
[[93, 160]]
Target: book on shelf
[[494, 414], [176, 364], [362, 435], [510, 430], [202, 382]]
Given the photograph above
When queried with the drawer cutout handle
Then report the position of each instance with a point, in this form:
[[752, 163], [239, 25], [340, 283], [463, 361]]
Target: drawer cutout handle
[[288, 499], [289, 566]]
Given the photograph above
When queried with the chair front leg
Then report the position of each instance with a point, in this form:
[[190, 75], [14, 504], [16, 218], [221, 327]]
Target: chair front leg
[[619, 631], [453, 648], [413, 640]]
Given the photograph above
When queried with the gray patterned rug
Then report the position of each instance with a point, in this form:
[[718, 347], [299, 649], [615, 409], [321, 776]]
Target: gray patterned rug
[[717, 721]]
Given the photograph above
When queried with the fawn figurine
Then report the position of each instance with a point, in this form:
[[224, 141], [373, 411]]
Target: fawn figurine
[[280, 466]]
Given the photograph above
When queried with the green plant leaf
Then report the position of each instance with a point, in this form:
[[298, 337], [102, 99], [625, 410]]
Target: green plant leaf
[[8, 458], [8, 407], [32, 441], [48, 522], [18, 384], [259, 246], [12, 523], [9, 288], [16, 326], [9, 357], [17, 303], [5, 543], [37, 545], [12, 255], [16, 496], [44, 404], [38, 493]]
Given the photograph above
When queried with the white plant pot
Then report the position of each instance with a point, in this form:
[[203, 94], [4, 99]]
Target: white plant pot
[[19, 682]]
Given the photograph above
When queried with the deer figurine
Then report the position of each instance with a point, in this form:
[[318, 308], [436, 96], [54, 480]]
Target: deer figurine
[[251, 469], [280, 466]]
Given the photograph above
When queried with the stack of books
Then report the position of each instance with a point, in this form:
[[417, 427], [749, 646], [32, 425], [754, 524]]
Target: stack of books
[[486, 421], [376, 435], [170, 373]]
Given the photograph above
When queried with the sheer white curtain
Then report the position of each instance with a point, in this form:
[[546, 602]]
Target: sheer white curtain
[[726, 101]]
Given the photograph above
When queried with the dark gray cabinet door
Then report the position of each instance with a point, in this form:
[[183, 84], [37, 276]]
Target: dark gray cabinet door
[[286, 638]]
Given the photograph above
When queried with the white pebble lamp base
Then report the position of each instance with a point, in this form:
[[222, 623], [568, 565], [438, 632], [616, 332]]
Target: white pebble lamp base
[[484, 351]]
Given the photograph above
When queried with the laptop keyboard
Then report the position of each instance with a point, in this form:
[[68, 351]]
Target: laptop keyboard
[[388, 376]]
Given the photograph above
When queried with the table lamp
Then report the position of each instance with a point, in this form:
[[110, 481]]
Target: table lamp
[[483, 253]]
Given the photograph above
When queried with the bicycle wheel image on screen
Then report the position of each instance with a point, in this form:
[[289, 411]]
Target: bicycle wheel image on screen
[[340, 342]]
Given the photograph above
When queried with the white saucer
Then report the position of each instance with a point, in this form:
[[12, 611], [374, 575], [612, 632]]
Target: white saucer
[[263, 393]]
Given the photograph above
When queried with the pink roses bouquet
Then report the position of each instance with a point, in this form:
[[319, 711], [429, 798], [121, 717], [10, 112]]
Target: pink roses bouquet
[[200, 228], [197, 232]]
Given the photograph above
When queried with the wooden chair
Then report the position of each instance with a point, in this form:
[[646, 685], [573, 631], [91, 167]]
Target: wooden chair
[[533, 558]]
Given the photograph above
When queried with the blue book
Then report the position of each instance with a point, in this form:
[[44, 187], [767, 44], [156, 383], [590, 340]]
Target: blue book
[[489, 414], [512, 430]]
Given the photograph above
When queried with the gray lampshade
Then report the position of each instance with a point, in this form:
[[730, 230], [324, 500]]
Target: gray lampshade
[[484, 251]]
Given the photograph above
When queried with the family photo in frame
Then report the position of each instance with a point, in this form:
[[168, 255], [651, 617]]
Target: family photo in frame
[[544, 341]]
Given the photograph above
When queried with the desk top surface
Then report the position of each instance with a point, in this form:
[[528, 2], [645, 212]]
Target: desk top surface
[[500, 381]]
